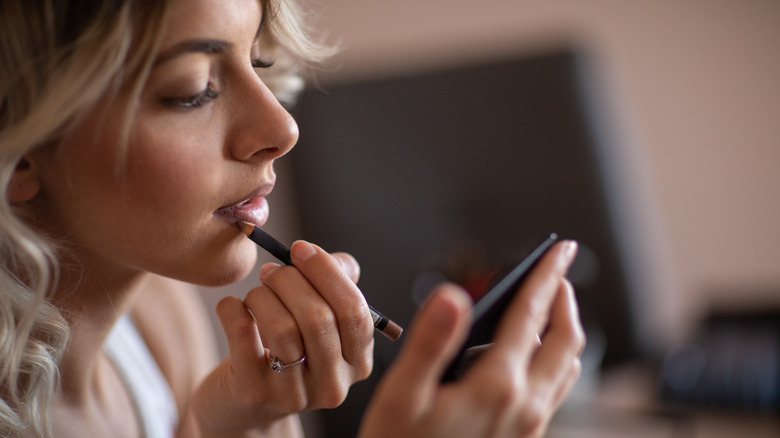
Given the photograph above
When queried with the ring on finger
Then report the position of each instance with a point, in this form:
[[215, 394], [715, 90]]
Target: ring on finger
[[279, 366]]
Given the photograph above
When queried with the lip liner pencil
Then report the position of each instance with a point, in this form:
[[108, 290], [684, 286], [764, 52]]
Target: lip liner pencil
[[382, 323]]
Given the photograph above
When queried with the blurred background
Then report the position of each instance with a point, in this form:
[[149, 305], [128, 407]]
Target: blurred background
[[446, 136]]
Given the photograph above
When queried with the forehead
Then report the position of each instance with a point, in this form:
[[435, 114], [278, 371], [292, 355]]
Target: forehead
[[229, 20]]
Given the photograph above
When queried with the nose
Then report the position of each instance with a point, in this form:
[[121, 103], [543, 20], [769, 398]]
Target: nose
[[263, 129]]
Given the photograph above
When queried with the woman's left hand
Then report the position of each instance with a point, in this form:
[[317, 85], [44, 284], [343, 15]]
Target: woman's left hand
[[312, 309]]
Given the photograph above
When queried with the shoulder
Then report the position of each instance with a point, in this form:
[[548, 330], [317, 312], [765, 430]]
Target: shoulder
[[174, 322]]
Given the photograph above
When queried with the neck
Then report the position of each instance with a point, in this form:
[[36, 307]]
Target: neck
[[91, 303]]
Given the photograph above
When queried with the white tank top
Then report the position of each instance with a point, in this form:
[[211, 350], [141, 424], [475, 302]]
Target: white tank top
[[145, 382]]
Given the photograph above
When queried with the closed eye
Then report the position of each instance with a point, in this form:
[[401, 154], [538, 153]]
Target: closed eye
[[194, 101], [259, 63]]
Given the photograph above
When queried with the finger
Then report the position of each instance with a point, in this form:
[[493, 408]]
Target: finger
[[277, 327], [326, 275], [244, 344], [562, 344], [349, 264], [528, 314], [432, 342], [311, 315], [573, 374], [328, 373]]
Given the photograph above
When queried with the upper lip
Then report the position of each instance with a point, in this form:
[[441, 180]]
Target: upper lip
[[262, 191]]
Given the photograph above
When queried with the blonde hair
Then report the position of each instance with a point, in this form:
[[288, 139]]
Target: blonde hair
[[58, 59]]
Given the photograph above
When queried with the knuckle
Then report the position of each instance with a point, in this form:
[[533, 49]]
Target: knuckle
[[256, 295], [293, 404], [356, 322], [580, 339], [335, 399], [577, 339], [251, 398], [321, 320], [534, 416], [284, 331], [537, 309], [297, 404], [241, 329], [578, 335], [290, 398], [364, 368], [497, 391], [576, 369], [276, 275], [331, 393]]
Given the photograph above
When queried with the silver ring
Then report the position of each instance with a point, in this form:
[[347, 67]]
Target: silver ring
[[279, 366]]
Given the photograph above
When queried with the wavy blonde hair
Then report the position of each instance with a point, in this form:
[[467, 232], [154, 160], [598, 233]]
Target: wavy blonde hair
[[58, 59]]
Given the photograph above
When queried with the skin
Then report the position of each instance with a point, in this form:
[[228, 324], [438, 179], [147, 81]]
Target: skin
[[141, 235], [512, 390], [160, 219]]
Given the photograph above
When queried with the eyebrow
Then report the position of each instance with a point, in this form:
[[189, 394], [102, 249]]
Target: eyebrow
[[194, 46], [207, 46]]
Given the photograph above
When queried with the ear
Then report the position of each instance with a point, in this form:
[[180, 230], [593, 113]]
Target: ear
[[25, 182]]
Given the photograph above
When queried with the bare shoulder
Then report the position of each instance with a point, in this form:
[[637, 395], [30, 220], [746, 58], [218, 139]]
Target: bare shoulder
[[175, 324]]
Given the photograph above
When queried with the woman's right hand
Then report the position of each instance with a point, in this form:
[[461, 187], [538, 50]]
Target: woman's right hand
[[314, 310], [516, 385]]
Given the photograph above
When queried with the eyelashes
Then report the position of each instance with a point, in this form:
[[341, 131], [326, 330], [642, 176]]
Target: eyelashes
[[259, 63], [194, 101], [209, 93]]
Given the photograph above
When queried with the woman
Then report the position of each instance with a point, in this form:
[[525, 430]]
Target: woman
[[134, 135]]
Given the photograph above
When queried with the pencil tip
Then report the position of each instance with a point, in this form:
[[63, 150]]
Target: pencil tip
[[245, 227], [392, 331]]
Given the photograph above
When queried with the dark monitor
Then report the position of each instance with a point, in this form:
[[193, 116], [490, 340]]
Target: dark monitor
[[455, 173]]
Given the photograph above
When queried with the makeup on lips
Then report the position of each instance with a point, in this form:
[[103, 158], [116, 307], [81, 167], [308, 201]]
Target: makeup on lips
[[254, 209]]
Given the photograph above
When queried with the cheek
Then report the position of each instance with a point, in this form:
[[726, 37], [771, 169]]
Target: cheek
[[172, 173], [177, 181], [149, 207]]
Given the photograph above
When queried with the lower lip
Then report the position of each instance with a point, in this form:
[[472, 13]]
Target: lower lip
[[254, 211]]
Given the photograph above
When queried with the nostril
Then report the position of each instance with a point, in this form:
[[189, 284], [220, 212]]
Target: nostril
[[274, 152]]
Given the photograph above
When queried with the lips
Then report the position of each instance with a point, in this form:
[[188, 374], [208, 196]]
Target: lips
[[253, 208]]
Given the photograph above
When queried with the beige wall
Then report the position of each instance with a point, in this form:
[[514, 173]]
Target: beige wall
[[693, 89], [695, 84]]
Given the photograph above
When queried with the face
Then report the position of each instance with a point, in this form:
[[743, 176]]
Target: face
[[199, 157]]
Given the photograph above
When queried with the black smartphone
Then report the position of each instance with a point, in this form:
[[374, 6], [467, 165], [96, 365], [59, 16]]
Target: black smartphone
[[489, 309]]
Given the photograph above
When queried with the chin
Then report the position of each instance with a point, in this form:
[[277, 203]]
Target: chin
[[225, 271], [223, 278]]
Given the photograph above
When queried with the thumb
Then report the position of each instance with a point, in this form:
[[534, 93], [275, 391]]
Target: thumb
[[433, 339]]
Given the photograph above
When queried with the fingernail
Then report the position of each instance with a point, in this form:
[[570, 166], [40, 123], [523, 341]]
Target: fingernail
[[302, 250], [267, 269], [569, 251]]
